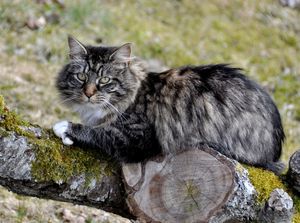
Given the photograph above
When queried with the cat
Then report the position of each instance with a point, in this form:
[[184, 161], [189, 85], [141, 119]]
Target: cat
[[132, 115]]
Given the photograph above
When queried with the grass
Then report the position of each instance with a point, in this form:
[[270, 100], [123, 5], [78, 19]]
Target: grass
[[21, 213], [260, 36]]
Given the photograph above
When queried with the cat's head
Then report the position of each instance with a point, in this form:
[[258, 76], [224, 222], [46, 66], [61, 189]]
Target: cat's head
[[99, 80]]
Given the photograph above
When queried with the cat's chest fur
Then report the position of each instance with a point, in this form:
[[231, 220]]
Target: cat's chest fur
[[90, 114]]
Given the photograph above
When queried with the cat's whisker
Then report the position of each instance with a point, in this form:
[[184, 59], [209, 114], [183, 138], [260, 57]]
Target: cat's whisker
[[73, 99], [112, 108], [71, 92], [121, 114], [68, 99]]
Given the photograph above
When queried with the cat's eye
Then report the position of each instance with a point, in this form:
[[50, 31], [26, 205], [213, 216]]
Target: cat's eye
[[104, 80], [81, 76]]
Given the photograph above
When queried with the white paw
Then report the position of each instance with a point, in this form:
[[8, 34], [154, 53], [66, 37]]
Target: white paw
[[60, 129], [67, 141]]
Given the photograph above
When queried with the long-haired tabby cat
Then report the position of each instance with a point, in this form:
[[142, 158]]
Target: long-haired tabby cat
[[132, 115]]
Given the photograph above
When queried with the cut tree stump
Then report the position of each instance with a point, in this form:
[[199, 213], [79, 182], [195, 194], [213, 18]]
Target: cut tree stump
[[196, 185]]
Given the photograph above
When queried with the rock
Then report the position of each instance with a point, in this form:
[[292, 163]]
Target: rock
[[52, 17], [36, 23], [278, 209]]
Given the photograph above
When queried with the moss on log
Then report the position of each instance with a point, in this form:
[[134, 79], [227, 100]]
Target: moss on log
[[64, 162], [34, 162]]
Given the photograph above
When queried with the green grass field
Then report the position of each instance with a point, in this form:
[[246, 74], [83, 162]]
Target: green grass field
[[262, 37]]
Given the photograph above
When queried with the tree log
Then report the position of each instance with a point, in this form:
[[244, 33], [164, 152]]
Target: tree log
[[194, 185]]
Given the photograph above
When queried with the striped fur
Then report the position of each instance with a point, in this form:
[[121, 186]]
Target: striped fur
[[150, 113]]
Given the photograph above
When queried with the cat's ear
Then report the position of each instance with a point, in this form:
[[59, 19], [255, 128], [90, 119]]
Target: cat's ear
[[122, 54], [77, 49]]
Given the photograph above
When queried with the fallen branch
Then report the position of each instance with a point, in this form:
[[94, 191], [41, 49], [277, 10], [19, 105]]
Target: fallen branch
[[195, 185]]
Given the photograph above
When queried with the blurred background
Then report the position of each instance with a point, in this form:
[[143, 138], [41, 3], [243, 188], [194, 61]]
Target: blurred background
[[260, 36]]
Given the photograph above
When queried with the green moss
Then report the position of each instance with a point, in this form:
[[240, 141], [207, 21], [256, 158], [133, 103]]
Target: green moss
[[65, 162], [2, 105], [11, 121], [296, 218], [54, 161], [3, 132], [264, 182]]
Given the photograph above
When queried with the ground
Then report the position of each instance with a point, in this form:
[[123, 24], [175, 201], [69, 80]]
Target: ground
[[262, 37]]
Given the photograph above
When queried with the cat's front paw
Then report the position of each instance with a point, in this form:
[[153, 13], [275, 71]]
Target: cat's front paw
[[60, 129]]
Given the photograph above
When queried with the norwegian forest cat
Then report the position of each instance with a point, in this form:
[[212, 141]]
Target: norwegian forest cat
[[132, 115]]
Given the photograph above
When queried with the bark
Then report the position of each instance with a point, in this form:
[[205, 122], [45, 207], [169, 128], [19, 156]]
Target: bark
[[294, 171], [195, 185]]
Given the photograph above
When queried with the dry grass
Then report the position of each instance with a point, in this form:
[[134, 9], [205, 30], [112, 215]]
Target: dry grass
[[15, 208]]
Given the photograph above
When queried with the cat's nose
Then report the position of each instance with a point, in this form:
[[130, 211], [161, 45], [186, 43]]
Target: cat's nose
[[90, 90]]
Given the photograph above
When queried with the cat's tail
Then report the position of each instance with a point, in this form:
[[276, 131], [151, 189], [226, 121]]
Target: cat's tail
[[276, 167]]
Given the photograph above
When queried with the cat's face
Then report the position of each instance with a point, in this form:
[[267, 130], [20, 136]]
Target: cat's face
[[99, 80]]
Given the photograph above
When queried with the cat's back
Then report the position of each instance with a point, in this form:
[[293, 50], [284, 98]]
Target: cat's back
[[193, 93], [214, 103], [217, 79]]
